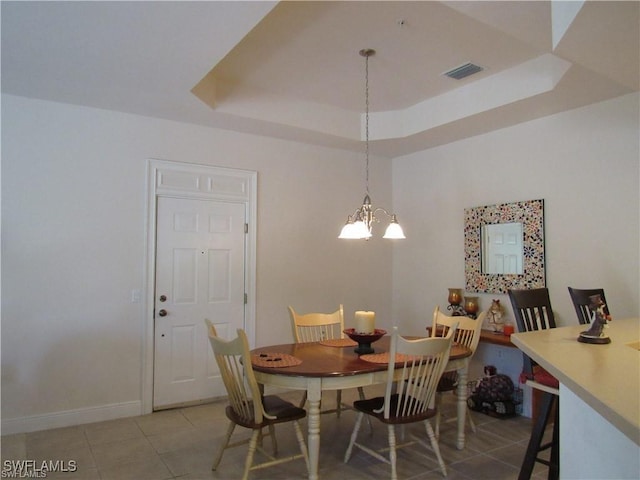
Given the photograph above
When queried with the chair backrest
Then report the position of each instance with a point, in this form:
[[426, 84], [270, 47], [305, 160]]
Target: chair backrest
[[532, 311], [211, 328], [581, 302], [467, 333], [234, 361], [314, 327], [421, 364]]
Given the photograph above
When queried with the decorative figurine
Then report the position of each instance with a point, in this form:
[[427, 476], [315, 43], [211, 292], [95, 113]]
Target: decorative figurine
[[495, 316], [599, 320]]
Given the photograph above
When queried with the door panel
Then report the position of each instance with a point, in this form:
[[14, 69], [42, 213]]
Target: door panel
[[200, 264]]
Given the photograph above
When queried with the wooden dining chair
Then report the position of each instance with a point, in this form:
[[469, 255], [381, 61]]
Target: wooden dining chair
[[581, 302], [315, 327], [248, 408], [211, 328], [413, 373], [467, 334], [532, 311]]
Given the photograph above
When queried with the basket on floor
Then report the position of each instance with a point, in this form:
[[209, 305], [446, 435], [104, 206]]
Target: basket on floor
[[495, 396]]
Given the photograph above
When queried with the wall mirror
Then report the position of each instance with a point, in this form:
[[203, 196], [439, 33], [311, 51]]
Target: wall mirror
[[504, 247]]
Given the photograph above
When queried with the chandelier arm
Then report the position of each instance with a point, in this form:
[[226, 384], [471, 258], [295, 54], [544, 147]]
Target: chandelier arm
[[380, 209]]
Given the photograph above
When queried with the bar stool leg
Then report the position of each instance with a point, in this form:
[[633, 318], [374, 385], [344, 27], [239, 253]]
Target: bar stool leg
[[536, 436], [554, 468]]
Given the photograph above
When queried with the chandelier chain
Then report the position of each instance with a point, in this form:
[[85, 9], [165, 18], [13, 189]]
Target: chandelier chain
[[366, 120], [359, 223]]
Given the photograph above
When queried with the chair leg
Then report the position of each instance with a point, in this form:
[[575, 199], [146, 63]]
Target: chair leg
[[338, 403], [554, 468], [362, 397], [303, 446], [218, 457], [438, 408], [548, 399], [274, 440], [392, 451], [252, 449], [354, 436], [435, 446], [304, 399], [472, 424]]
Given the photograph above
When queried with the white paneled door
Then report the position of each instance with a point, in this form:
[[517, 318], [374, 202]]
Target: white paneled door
[[200, 256]]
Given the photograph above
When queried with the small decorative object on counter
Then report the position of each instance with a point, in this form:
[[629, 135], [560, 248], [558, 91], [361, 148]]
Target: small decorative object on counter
[[495, 316], [494, 394], [599, 321]]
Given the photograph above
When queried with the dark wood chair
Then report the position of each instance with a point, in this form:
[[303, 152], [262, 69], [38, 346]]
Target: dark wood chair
[[581, 302], [532, 311]]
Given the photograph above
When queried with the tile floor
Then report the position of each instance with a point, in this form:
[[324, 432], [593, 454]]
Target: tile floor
[[179, 444]]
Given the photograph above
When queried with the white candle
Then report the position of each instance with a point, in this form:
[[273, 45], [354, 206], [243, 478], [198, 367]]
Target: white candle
[[365, 322]]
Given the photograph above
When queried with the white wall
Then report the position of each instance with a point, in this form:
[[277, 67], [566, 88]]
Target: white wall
[[584, 163], [73, 248], [73, 237]]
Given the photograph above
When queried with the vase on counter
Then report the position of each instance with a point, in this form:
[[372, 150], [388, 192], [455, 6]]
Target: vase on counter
[[455, 296], [455, 299], [471, 306]]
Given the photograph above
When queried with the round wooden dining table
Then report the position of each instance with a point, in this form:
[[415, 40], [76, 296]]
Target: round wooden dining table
[[333, 365]]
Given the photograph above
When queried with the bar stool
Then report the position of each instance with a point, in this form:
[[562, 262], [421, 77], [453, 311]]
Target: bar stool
[[532, 311]]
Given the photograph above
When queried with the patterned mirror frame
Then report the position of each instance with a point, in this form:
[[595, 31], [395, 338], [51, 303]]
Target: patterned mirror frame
[[531, 214]]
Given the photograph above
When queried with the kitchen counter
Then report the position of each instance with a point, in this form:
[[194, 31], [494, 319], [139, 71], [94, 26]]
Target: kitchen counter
[[605, 377]]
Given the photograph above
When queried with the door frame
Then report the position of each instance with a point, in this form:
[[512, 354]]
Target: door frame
[[198, 182]]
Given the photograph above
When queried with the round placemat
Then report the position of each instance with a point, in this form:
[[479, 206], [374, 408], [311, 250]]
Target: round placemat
[[275, 360], [338, 342], [384, 357]]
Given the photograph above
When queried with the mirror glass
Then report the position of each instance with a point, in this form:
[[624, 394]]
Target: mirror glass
[[501, 248], [504, 247]]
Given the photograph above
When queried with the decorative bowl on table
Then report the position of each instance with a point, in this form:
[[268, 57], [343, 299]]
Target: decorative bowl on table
[[364, 340]]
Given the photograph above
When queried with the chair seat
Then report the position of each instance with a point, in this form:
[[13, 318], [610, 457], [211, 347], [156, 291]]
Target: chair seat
[[541, 376], [275, 406], [373, 406]]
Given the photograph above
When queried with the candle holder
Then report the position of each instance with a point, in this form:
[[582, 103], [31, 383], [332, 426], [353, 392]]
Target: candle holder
[[471, 306], [364, 340], [455, 298]]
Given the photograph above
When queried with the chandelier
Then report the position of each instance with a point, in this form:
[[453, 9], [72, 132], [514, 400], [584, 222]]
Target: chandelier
[[359, 223]]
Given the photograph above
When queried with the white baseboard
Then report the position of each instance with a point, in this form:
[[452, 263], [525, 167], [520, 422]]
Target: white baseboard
[[70, 417]]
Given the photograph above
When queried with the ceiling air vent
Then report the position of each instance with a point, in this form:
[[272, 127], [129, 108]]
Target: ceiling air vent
[[463, 71]]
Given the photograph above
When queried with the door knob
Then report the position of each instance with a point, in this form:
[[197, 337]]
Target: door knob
[[162, 313]]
